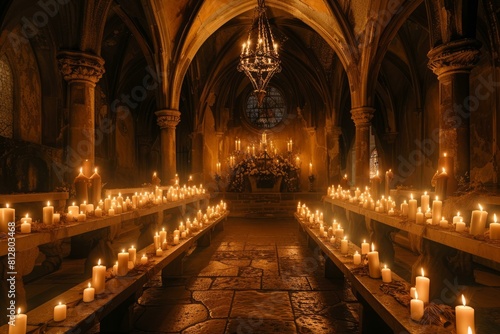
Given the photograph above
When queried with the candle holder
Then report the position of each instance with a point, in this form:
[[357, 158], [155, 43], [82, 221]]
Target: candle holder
[[311, 182]]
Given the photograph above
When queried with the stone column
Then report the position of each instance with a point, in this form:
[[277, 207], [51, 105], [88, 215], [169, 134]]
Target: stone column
[[82, 71], [362, 119], [452, 63], [167, 121], [333, 140]]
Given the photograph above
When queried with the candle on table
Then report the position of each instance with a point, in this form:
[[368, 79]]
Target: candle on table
[[412, 292], [82, 216], [412, 208], [310, 168], [176, 239], [132, 254], [26, 224], [460, 226], [404, 208], [464, 317], [365, 247], [163, 236], [123, 263], [437, 207], [107, 203], [424, 202], [60, 312], [159, 252], [88, 294], [344, 246], [416, 308], [386, 274], [96, 184], [83, 207], [356, 258], [443, 223], [422, 285], [20, 323], [339, 233], [478, 221], [457, 218], [89, 208], [48, 214], [7, 215], [98, 277], [373, 263], [81, 187], [98, 212], [56, 218], [419, 217], [495, 229], [115, 269], [111, 211], [73, 210], [144, 259]]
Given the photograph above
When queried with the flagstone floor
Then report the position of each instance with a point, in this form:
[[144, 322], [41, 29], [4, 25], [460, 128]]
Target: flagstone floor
[[258, 276]]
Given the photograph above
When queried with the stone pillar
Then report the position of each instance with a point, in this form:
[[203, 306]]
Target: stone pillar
[[452, 63], [167, 121], [362, 119], [333, 140], [82, 71]]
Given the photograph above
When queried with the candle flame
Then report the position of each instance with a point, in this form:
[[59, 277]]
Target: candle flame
[[81, 170], [444, 170], [425, 193], [463, 300], [411, 196], [345, 238], [469, 330], [163, 229], [48, 203], [60, 303], [7, 205], [123, 250], [26, 215], [494, 217], [419, 210], [99, 262], [364, 240], [458, 213], [437, 198], [95, 170], [385, 266], [89, 284], [422, 269], [444, 154], [373, 247], [480, 207], [356, 252], [416, 294], [19, 311]]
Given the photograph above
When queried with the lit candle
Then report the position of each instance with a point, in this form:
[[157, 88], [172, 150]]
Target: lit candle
[[365, 247], [495, 229], [416, 308], [424, 202], [437, 207], [82, 216], [88, 294], [98, 212], [144, 259], [464, 317], [373, 263], [123, 263], [73, 210], [310, 168], [159, 252], [96, 186], [412, 292], [412, 208], [98, 277], [132, 254], [356, 258], [7, 215], [478, 221], [26, 224], [404, 208], [20, 323], [81, 187], [60, 312], [419, 217], [339, 233], [460, 226], [83, 207], [422, 285], [163, 236], [48, 214], [176, 239], [386, 274], [344, 246], [111, 211], [115, 269], [443, 223], [457, 218], [56, 218]]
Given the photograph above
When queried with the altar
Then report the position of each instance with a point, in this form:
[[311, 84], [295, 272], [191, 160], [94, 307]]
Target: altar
[[265, 184]]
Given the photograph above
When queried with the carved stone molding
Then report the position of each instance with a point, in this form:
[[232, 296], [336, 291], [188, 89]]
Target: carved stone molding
[[362, 116], [168, 119], [77, 65], [454, 56]]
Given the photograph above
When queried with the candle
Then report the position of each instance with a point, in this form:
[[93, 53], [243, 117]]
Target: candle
[[98, 277], [7, 215], [56, 218], [88, 294], [96, 185], [412, 208], [339, 233], [424, 202], [464, 317], [89, 208], [82, 216], [60, 312], [310, 168], [123, 263], [419, 217], [176, 239], [81, 187], [83, 207], [111, 211], [460, 226], [48, 214], [386, 275], [416, 308], [115, 268], [73, 210], [163, 236], [26, 224], [437, 207], [132, 254], [412, 292], [144, 259], [159, 252], [183, 235], [404, 208], [365, 247], [422, 284], [98, 212], [373, 263], [457, 218], [478, 221], [356, 258], [344, 246], [443, 223], [107, 203], [495, 229], [156, 240], [20, 323]]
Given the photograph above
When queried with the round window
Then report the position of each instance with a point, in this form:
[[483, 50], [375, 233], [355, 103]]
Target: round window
[[270, 113]]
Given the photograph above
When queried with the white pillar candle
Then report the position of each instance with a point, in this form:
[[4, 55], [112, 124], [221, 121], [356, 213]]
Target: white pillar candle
[[115, 269], [339, 233], [404, 208], [443, 223], [159, 252], [26, 224], [111, 212], [56, 217], [373, 263], [60, 312], [20, 323], [48, 214], [123, 263], [356, 258], [176, 239], [98, 277], [132, 254], [82, 216], [478, 221], [118, 209], [464, 317], [144, 259], [437, 207], [344, 246], [183, 235], [412, 292], [416, 308], [163, 236], [98, 212], [90, 207], [83, 207], [107, 203], [365, 247], [156, 240], [424, 202], [7, 215], [457, 218], [412, 208], [422, 285], [73, 209], [494, 229], [460, 226], [386, 274], [88, 294], [419, 217]]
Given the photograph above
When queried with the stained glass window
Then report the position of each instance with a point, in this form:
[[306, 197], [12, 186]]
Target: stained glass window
[[6, 98], [270, 113]]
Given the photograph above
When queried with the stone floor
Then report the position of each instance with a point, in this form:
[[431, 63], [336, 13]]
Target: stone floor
[[258, 276]]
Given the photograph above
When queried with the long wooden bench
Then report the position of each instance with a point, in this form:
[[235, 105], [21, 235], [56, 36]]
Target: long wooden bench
[[111, 308], [379, 309]]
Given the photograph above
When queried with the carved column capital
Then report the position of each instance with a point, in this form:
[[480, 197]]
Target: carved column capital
[[362, 116], [168, 119], [461, 55], [80, 66]]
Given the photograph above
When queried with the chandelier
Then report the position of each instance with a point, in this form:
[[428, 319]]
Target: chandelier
[[259, 58]]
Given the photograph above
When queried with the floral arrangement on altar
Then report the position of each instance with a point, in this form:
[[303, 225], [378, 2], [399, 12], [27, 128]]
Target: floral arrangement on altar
[[266, 169]]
